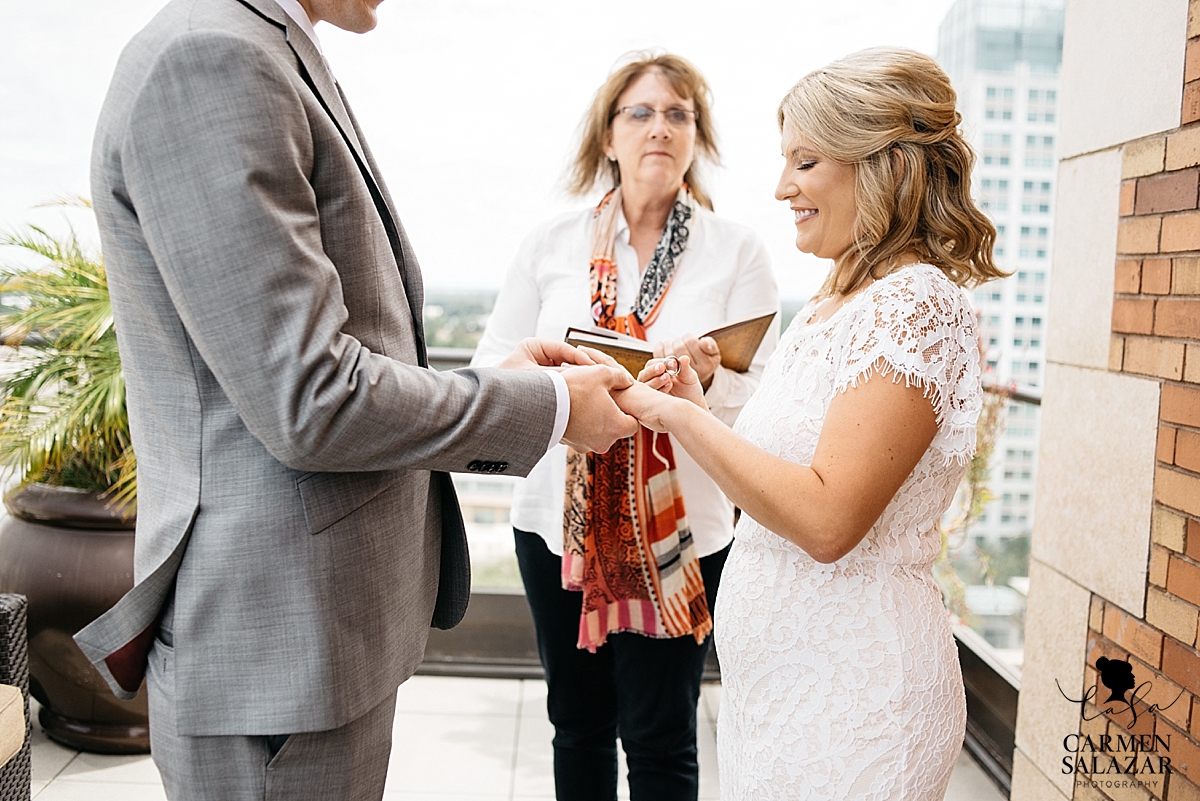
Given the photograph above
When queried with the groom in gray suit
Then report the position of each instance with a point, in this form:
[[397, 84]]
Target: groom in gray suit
[[297, 529]]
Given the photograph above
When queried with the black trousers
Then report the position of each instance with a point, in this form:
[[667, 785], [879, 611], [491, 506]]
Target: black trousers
[[637, 688]]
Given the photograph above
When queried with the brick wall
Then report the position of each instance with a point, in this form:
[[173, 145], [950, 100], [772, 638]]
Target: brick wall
[[1156, 333]]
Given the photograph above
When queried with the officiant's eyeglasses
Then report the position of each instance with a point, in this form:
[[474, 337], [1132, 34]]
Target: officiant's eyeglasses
[[644, 115]]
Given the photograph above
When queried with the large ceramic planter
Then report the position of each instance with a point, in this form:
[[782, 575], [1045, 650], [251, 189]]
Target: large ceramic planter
[[72, 556]]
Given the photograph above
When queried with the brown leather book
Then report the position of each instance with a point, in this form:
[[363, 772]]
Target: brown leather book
[[738, 343]]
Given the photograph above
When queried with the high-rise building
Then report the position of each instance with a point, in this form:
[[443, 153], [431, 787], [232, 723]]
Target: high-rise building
[[1003, 58]]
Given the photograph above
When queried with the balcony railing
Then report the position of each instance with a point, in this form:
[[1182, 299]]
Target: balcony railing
[[991, 641]]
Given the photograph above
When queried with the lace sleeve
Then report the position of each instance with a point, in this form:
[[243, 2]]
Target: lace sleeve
[[919, 325]]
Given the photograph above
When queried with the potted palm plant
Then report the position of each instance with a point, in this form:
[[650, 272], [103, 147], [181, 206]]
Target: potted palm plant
[[67, 541]]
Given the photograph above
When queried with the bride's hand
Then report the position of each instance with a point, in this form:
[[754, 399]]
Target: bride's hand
[[704, 353], [646, 404], [675, 375]]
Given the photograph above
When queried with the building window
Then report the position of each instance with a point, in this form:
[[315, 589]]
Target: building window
[[1039, 152], [993, 194], [997, 148], [998, 103], [1034, 241], [1040, 105], [1035, 197]]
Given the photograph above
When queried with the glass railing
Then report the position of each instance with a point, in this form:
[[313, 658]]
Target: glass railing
[[984, 571]]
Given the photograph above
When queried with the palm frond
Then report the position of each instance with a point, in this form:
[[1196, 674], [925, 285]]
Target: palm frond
[[63, 418]]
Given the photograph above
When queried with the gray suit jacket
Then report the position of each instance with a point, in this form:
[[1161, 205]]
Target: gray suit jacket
[[288, 434]]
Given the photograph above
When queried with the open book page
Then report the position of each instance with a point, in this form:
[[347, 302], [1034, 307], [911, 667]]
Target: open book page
[[738, 343], [630, 352]]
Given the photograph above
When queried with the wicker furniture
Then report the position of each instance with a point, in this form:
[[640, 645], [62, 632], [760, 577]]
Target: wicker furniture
[[14, 670]]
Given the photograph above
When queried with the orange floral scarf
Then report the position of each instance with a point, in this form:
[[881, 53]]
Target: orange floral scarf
[[626, 540]]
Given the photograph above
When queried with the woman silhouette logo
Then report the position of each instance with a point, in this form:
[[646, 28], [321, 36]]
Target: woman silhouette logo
[[1117, 676]]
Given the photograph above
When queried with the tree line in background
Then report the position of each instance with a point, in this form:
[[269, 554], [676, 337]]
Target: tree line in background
[[456, 319]]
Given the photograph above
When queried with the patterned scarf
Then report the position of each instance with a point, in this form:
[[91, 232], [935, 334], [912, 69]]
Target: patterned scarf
[[626, 540]]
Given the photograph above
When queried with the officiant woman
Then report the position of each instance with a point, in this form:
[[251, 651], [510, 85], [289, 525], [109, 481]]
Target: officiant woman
[[621, 552]]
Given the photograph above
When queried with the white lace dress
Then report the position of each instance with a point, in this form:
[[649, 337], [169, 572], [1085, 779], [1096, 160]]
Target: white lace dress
[[841, 681]]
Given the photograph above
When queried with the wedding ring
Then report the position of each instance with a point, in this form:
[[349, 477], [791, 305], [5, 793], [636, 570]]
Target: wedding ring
[[671, 365]]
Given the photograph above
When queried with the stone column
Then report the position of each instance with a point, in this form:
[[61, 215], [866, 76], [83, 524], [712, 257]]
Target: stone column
[[1115, 568]]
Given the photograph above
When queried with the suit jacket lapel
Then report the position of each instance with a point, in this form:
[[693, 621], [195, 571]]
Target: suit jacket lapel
[[410, 274], [413, 283], [320, 80], [324, 85], [329, 94]]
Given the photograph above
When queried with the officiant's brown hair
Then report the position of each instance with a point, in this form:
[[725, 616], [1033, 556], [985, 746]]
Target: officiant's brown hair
[[890, 112], [591, 166]]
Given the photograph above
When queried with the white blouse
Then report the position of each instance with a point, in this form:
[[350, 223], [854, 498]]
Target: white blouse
[[723, 276]]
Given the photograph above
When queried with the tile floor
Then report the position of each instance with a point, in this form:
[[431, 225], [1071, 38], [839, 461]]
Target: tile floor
[[454, 740]]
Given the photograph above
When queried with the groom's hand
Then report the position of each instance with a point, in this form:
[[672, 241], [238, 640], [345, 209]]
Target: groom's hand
[[596, 422], [533, 352]]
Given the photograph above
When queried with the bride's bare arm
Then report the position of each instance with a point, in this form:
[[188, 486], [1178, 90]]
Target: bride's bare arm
[[873, 436]]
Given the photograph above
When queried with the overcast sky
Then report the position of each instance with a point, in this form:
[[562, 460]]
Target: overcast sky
[[471, 106]]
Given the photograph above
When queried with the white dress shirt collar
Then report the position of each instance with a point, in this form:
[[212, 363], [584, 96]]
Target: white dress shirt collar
[[622, 226], [300, 17]]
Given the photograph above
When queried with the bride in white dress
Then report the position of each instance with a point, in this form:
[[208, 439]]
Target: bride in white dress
[[840, 674]]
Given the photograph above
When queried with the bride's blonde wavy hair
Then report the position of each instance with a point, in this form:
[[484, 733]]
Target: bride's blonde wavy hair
[[891, 113]]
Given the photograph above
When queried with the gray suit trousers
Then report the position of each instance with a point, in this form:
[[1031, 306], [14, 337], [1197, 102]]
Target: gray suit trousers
[[344, 764]]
